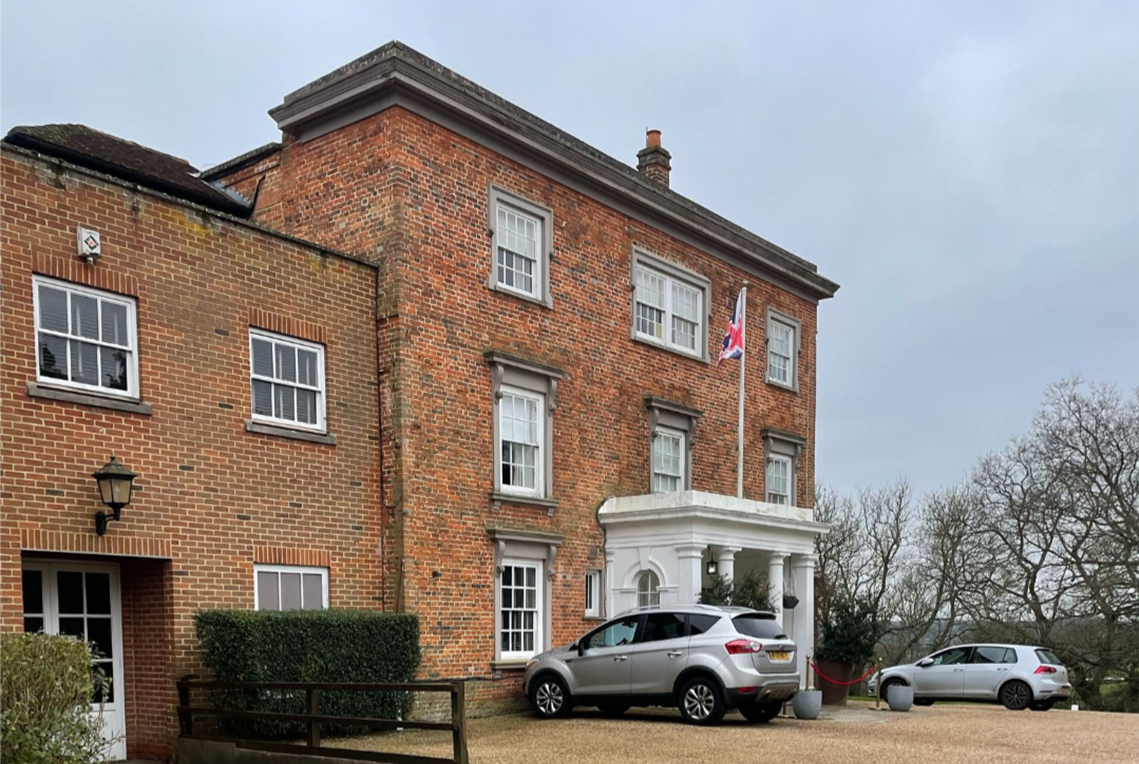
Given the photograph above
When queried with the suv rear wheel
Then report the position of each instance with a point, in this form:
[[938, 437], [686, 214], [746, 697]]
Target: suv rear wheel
[[549, 697], [701, 701], [761, 712]]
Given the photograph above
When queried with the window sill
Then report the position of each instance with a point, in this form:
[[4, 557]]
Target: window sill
[[546, 303], [781, 386], [510, 665], [662, 346], [37, 390], [510, 498], [288, 432]]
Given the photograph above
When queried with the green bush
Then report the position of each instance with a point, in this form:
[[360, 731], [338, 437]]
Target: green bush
[[850, 632], [309, 646], [748, 591], [45, 701]]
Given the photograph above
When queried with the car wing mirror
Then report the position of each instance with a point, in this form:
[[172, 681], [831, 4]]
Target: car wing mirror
[[925, 662]]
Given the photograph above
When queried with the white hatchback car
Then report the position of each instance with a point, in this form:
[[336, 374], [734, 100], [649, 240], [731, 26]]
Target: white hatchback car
[[1017, 676]]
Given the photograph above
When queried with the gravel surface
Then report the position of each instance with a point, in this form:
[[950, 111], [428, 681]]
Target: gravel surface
[[858, 734]]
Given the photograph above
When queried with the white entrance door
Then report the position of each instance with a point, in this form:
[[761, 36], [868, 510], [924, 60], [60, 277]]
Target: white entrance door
[[82, 600]]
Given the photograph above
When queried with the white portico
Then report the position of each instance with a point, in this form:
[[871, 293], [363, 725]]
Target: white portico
[[658, 546]]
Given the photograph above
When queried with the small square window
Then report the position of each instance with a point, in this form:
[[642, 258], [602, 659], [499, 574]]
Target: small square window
[[287, 378], [85, 339], [290, 587]]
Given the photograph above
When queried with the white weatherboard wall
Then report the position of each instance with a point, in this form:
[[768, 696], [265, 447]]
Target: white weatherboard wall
[[675, 534]]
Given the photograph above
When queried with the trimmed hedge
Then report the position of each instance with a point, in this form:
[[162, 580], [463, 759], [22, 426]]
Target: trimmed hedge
[[45, 696], [309, 646]]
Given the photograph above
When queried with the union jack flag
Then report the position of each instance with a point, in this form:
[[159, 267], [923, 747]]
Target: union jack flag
[[734, 338]]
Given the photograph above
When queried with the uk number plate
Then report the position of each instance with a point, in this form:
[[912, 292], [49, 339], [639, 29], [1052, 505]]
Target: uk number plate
[[779, 656]]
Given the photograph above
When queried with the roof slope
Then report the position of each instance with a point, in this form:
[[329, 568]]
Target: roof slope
[[125, 159], [360, 79]]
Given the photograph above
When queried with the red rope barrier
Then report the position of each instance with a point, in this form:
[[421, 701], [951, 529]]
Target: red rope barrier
[[843, 684]]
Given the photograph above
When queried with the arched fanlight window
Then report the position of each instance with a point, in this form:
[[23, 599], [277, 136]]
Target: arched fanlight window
[[647, 589]]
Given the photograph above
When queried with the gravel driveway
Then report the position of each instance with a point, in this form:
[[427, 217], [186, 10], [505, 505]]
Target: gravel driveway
[[858, 734]]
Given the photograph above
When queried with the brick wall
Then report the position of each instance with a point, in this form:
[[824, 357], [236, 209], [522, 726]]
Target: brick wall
[[210, 494], [441, 317]]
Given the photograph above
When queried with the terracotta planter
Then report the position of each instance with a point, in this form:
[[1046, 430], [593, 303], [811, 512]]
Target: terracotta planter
[[834, 694]]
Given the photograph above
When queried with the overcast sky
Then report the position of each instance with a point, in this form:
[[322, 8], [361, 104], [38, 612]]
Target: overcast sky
[[968, 171]]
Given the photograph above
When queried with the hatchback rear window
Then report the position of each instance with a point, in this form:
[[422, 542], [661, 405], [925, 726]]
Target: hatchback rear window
[[759, 627], [1049, 658]]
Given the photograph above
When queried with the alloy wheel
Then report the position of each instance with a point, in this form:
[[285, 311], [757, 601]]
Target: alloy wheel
[[1016, 696], [699, 701], [549, 698]]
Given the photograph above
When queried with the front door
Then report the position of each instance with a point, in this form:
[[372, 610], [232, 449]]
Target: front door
[[82, 600], [604, 667], [945, 678]]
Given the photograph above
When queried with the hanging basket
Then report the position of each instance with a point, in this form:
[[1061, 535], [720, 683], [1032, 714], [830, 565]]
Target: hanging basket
[[790, 601]]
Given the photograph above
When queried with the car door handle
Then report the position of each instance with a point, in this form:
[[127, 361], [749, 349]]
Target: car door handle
[[674, 653], [620, 658]]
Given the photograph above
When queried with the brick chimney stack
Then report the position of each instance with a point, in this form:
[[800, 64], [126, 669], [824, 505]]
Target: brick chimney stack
[[653, 161]]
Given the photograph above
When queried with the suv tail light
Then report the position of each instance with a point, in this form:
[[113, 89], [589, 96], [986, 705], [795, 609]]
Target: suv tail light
[[1045, 670], [742, 646]]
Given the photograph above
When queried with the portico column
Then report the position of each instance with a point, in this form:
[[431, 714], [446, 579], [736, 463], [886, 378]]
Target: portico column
[[725, 557], [803, 630], [610, 584], [775, 583], [689, 572]]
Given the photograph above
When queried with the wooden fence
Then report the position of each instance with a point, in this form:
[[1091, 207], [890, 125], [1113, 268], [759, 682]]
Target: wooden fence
[[313, 720]]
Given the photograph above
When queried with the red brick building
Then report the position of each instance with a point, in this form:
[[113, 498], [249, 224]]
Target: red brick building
[[428, 353]]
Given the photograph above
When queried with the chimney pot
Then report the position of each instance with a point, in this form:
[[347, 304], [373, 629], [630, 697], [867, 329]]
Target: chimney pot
[[653, 161]]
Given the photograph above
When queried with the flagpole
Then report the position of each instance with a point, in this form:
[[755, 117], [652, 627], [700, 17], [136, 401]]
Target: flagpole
[[743, 373]]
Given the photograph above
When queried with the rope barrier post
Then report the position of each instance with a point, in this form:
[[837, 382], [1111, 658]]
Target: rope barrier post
[[878, 687], [807, 671]]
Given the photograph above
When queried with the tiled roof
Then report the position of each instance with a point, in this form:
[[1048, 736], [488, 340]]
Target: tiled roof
[[130, 161]]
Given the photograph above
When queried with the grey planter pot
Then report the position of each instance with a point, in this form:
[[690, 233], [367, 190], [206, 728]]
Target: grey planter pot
[[900, 698], [808, 703]]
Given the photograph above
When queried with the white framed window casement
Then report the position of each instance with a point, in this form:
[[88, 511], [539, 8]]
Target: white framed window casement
[[86, 339], [672, 428], [778, 482], [524, 563], [521, 584], [289, 587], [287, 380], [648, 589], [669, 451], [525, 397], [783, 344], [521, 436], [781, 463], [593, 594], [670, 305], [521, 243]]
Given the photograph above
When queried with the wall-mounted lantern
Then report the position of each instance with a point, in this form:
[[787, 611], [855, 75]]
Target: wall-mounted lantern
[[116, 483], [713, 568]]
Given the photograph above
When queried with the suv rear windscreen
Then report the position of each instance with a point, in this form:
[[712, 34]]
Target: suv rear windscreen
[[758, 627], [1048, 658]]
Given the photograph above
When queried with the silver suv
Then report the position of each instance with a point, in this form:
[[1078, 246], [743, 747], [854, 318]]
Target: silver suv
[[700, 658]]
